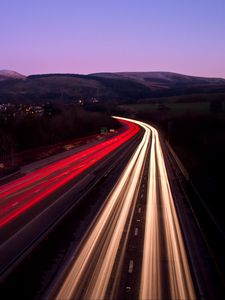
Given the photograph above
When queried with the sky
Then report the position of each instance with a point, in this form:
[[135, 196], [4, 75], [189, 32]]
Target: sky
[[88, 36]]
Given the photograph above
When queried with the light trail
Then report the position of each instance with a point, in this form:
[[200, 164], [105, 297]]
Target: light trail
[[23, 193], [151, 272], [181, 284], [99, 250], [91, 270], [152, 277]]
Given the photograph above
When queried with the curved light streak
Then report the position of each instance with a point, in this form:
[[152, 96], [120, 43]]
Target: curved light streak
[[21, 194], [91, 270]]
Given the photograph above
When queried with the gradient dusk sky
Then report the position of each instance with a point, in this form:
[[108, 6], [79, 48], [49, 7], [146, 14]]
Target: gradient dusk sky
[[87, 36]]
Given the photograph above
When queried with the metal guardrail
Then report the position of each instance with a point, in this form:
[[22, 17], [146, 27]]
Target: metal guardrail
[[179, 163]]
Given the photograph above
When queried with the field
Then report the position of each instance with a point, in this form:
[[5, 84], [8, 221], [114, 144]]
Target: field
[[172, 108]]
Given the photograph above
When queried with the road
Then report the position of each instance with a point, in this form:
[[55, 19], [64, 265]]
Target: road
[[35, 203], [99, 263], [21, 194]]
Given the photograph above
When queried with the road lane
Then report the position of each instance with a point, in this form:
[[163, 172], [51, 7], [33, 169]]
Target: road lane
[[151, 271], [181, 284]]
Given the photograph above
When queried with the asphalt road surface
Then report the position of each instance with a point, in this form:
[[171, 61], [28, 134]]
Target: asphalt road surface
[[31, 204], [165, 270], [141, 243]]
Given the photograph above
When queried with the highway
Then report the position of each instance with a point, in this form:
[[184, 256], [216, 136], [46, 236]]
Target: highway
[[99, 263], [21, 194], [32, 205]]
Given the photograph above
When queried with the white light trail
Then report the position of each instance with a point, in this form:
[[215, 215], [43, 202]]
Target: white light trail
[[106, 234], [92, 269]]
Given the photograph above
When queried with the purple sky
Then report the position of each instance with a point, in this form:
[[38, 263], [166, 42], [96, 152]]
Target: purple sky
[[87, 36]]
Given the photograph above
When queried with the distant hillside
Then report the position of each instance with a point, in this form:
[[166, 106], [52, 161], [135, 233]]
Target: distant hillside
[[104, 86], [8, 75], [163, 80]]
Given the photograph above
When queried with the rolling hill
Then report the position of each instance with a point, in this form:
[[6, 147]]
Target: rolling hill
[[8, 75], [125, 86]]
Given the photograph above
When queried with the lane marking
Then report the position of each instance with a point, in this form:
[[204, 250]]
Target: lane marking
[[136, 231], [131, 266], [139, 210]]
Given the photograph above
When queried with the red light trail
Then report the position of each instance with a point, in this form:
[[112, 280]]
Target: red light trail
[[21, 194]]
